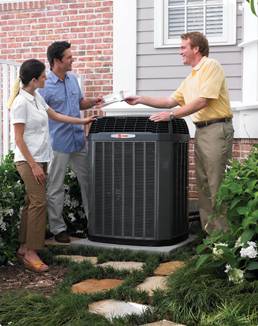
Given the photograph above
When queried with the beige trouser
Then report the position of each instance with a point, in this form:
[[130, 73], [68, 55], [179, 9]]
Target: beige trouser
[[33, 217], [213, 149]]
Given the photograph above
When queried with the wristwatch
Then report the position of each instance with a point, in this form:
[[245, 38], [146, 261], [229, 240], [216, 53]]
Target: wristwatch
[[171, 117]]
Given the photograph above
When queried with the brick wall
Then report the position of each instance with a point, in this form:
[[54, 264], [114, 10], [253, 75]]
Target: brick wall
[[241, 149], [27, 28]]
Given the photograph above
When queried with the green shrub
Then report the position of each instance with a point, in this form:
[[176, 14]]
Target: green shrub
[[236, 249], [12, 199]]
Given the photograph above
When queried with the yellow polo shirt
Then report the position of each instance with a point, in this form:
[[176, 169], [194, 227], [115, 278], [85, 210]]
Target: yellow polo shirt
[[206, 80]]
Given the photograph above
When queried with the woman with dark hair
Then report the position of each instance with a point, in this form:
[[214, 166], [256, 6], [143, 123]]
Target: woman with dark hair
[[30, 115]]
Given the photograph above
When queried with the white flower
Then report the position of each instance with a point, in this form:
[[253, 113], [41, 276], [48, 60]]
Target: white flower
[[249, 252], [71, 174], [74, 203], [228, 268], [251, 243], [71, 217], [217, 250], [236, 275], [239, 243], [66, 188], [9, 212], [237, 177], [228, 167]]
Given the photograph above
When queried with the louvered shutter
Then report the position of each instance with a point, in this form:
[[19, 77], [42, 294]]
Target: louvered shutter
[[215, 18]]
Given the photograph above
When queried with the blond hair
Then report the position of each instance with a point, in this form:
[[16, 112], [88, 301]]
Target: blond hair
[[14, 92]]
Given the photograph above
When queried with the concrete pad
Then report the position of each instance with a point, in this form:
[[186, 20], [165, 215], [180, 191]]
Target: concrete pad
[[53, 242], [168, 267], [160, 249], [163, 323], [123, 265], [153, 283], [93, 285], [113, 308], [77, 258]]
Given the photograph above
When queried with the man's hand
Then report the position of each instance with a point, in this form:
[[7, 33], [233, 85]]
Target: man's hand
[[98, 102], [161, 116], [89, 119], [132, 100]]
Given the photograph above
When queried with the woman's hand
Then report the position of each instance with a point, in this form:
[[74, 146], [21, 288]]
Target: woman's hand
[[38, 173]]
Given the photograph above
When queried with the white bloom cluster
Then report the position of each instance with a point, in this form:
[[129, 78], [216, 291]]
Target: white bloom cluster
[[235, 275], [250, 251], [71, 174], [71, 217], [218, 249]]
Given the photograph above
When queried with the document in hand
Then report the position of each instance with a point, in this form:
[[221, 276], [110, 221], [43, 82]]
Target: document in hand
[[112, 98]]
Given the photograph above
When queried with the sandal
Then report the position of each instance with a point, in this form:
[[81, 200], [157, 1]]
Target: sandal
[[35, 265]]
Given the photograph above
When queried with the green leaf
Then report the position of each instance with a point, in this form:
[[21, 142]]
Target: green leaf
[[201, 260], [201, 248], [251, 3], [242, 210], [247, 235], [252, 266]]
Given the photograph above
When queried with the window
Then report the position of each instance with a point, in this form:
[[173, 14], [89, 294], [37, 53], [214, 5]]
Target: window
[[215, 18]]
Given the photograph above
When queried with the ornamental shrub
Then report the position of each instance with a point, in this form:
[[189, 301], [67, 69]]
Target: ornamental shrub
[[236, 250], [12, 199]]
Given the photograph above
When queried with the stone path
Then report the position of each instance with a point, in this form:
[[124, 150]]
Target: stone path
[[115, 308]]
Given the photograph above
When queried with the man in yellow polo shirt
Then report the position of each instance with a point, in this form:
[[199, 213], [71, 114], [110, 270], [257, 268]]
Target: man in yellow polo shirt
[[204, 96]]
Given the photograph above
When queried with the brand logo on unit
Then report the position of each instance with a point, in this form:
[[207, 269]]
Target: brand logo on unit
[[123, 136]]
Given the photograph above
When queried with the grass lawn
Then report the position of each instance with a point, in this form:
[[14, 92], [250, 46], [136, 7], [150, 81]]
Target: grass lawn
[[203, 297]]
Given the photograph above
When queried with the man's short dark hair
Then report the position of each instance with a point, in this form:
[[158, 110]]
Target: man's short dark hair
[[56, 51], [197, 39]]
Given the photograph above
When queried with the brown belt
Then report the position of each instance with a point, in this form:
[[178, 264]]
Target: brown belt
[[202, 124]]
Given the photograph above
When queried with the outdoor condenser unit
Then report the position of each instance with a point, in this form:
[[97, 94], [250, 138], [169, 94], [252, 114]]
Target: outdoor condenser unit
[[139, 172]]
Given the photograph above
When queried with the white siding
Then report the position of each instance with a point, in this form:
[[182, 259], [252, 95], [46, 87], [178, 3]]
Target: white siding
[[159, 71]]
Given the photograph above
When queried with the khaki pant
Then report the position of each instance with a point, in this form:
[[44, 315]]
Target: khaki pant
[[33, 217], [213, 149]]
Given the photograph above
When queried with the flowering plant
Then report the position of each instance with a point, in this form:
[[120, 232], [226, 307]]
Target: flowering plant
[[235, 250], [11, 199]]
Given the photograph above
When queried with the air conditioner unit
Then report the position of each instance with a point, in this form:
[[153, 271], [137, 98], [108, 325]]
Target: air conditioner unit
[[139, 181]]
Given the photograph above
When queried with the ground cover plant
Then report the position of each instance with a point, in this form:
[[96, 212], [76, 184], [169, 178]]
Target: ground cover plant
[[235, 252], [194, 297]]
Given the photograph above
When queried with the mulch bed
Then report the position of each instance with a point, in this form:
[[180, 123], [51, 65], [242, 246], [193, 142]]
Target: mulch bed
[[16, 277]]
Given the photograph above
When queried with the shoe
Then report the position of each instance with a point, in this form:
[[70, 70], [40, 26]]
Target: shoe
[[62, 237], [35, 265]]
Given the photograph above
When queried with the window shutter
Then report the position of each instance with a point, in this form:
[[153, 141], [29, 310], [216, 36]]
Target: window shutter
[[215, 18]]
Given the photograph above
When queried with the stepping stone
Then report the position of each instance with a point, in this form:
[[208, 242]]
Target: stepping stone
[[77, 258], [163, 323], [113, 308], [153, 283], [169, 267], [123, 265], [94, 285]]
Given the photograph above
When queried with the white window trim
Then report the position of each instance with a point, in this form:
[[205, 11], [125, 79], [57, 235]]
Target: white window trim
[[161, 23], [250, 55], [124, 46]]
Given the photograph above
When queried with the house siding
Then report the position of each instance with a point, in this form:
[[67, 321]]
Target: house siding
[[160, 71]]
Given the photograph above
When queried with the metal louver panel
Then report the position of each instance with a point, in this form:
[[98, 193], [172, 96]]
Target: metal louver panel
[[125, 192]]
